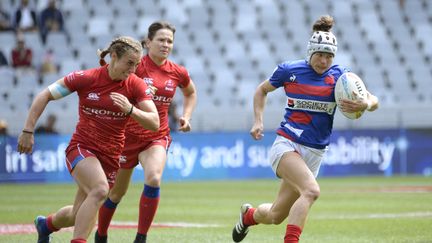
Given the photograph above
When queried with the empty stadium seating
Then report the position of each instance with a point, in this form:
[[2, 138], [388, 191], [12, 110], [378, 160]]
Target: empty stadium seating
[[229, 46]]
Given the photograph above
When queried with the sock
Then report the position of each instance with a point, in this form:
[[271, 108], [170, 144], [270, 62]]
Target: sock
[[248, 218], [79, 241], [106, 213], [51, 228], [147, 209], [292, 234], [47, 225]]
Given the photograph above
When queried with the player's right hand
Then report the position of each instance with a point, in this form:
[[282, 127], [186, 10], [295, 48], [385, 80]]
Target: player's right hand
[[257, 131], [25, 143]]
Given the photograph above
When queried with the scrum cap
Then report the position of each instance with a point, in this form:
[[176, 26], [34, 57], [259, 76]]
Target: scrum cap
[[321, 41]]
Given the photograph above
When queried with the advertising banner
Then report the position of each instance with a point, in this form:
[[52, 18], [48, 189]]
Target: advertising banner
[[235, 155]]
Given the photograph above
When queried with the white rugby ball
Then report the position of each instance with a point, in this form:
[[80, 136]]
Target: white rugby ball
[[345, 86]]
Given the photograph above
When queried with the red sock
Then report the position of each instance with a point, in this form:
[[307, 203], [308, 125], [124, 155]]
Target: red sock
[[147, 210], [248, 218], [292, 234], [78, 241], [50, 225], [106, 213]]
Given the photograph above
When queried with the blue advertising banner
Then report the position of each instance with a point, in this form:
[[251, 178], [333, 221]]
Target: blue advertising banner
[[224, 155]]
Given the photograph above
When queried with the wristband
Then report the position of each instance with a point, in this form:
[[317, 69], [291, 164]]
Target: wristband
[[25, 131], [130, 111]]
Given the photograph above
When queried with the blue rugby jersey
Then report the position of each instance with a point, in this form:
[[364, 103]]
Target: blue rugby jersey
[[311, 105]]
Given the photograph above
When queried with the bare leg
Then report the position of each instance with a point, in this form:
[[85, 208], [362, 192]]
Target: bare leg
[[297, 193], [92, 181]]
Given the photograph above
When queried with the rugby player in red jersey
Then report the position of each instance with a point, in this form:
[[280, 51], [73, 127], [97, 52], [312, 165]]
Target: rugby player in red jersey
[[150, 148], [108, 97]]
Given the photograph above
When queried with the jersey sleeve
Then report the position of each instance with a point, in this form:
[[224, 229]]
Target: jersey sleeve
[[74, 81], [280, 75], [185, 78]]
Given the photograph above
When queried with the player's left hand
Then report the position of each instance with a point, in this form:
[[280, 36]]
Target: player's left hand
[[355, 105], [185, 125]]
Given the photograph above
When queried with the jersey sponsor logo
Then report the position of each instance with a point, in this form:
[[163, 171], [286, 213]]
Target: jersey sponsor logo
[[311, 105], [93, 96], [102, 112], [162, 98], [169, 85]]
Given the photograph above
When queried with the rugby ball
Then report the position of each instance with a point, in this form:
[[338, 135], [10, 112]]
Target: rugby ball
[[346, 84]]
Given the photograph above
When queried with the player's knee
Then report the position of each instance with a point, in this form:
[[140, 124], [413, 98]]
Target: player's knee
[[154, 180], [100, 192], [312, 193], [116, 196]]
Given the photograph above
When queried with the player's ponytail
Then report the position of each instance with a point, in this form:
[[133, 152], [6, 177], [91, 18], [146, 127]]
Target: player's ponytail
[[101, 54]]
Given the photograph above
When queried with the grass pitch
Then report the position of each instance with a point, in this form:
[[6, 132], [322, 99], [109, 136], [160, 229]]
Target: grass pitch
[[361, 209]]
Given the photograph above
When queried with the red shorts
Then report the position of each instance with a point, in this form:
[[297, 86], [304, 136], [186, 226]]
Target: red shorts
[[75, 153], [134, 146]]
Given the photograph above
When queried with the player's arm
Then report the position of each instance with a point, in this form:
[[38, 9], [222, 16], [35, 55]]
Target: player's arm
[[259, 102], [370, 103], [147, 114], [189, 103], [56, 90]]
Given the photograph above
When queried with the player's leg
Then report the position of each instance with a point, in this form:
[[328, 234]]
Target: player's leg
[[108, 208], [153, 162], [277, 212], [267, 213], [91, 179], [294, 170]]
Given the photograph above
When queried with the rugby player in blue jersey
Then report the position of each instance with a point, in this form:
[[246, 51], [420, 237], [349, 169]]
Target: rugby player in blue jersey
[[304, 133]]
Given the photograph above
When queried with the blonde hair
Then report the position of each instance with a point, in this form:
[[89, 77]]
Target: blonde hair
[[120, 46]]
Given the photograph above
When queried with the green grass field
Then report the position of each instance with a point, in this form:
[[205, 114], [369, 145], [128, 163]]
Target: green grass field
[[363, 209]]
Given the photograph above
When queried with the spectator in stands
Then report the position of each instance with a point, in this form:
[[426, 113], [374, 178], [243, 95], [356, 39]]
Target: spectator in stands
[[51, 20], [48, 63], [150, 148], [25, 18], [49, 127], [92, 157], [303, 136], [3, 127], [3, 59], [21, 55], [5, 20]]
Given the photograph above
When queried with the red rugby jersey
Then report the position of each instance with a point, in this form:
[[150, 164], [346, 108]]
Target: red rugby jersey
[[166, 78], [101, 125]]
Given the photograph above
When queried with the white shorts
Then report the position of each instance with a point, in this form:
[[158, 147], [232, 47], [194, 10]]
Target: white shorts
[[311, 156]]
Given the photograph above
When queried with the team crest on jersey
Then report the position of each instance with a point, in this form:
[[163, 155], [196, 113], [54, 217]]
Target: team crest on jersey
[[148, 81], [329, 80], [122, 159], [169, 85], [93, 96]]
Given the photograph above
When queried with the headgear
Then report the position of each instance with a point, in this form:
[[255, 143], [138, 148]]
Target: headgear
[[321, 41]]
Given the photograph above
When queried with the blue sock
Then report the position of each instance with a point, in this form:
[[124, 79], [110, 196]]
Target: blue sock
[[151, 192], [44, 226], [110, 204]]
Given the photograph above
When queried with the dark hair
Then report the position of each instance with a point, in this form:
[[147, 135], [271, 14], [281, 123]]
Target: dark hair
[[120, 46], [154, 27], [324, 23]]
